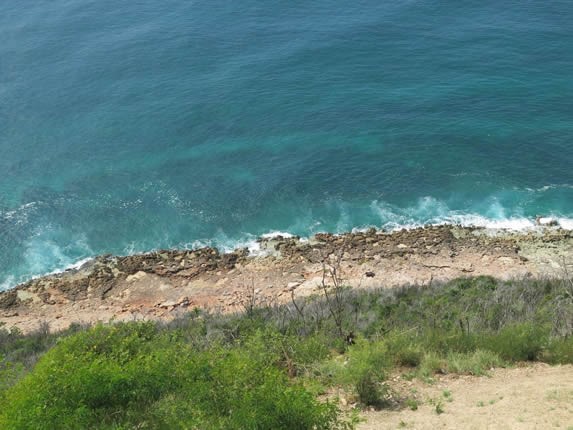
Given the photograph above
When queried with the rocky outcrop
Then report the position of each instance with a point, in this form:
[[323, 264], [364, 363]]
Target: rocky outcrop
[[99, 277]]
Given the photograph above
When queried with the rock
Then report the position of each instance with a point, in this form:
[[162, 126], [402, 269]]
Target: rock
[[370, 274], [184, 302], [24, 295], [9, 299], [467, 268], [402, 246], [546, 221], [168, 304], [136, 276]]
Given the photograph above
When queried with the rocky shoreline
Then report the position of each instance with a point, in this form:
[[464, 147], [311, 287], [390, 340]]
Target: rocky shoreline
[[162, 284]]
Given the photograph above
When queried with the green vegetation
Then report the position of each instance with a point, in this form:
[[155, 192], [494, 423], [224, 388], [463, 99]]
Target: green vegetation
[[275, 367], [136, 375], [412, 404]]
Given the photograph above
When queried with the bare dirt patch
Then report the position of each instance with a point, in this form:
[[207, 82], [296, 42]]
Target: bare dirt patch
[[533, 397]]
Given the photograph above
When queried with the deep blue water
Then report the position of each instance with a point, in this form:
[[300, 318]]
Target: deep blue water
[[131, 126]]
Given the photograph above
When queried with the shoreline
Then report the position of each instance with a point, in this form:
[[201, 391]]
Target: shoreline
[[163, 284], [512, 225]]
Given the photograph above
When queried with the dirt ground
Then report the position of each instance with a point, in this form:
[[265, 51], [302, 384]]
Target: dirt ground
[[538, 397]]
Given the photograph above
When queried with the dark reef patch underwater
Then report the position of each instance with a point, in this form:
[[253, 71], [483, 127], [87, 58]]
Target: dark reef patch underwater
[[131, 126]]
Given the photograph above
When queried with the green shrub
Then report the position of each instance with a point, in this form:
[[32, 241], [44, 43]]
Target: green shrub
[[518, 342], [370, 391], [10, 373], [247, 394], [133, 375], [411, 357], [412, 404], [88, 378], [365, 358], [363, 368], [405, 350], [431, 364], [559, 351]]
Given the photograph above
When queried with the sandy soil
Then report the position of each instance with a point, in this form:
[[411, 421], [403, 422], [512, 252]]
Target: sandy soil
[[535, 397], [163, 284]]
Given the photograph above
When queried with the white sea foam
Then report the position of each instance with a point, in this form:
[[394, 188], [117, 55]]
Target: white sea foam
[[249, 242], [43, 255], [430, 211], [565, 223], [550, 187], [275, 234], [77, 265], [474, 220], [9, 282], [19, 216]]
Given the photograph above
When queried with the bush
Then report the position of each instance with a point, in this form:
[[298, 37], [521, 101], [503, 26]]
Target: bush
[[405, 350], [133, 375], [10, 373], [370, 391], [363, 368], [559, 351], [518, 342], [253, 395]]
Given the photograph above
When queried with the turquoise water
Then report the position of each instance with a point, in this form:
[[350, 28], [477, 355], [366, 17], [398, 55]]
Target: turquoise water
[[132, 126]]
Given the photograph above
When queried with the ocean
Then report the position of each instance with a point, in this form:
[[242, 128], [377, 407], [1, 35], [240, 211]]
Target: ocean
[[132, 126]]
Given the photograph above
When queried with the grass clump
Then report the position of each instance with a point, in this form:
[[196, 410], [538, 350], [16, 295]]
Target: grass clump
[[431, 364], [412, 404], [363, 370], [474, 363]]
